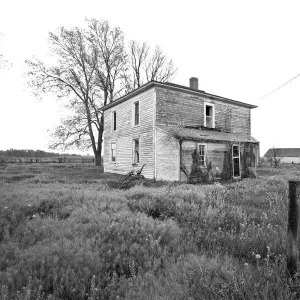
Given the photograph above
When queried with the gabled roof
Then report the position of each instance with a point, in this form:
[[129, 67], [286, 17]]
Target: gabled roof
[[207, 135], [177, 87], [283, 152]]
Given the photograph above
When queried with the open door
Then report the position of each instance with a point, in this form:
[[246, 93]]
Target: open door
[[236, 161]]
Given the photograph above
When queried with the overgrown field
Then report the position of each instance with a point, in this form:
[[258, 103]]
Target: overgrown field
[[66, 233]]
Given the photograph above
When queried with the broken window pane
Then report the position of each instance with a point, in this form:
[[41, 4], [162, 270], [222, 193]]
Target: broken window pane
[[236, 167], [209, 111], [235, 151]]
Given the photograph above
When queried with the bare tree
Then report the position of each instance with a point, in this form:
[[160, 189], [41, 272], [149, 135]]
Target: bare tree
[[138, 55], [276, 156], [108, 46], [144, 66], [3, 62], [159, 67], [1, 57], [92, 69], [72, 78], [88, 74]]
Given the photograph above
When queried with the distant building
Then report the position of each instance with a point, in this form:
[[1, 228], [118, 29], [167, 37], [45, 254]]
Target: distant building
[[286, 155]]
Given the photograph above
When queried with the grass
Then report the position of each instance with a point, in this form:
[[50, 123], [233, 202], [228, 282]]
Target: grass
[[66, 233]]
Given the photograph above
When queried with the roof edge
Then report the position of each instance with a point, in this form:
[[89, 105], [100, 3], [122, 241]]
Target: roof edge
[[203, 93], [133, 93], [175, 87], [283, 152]]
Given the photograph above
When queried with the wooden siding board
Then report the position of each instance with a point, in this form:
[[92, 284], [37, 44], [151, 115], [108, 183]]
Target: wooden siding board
[[167, 156], [214, 154], [174, 107], [126, 132]]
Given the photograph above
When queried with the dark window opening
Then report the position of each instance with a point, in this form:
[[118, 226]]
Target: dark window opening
[[114, 120], [209, 116], [136, 113], [236, 167], [235, 151], [236, 161]]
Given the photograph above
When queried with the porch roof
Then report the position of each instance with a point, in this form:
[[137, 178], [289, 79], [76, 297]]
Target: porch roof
[[207, 135]]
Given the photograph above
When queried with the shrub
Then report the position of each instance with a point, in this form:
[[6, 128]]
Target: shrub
[[178, 241], [219, 277]]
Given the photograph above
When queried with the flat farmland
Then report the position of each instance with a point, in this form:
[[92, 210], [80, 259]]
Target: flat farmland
[[50, 159], [67, 232]]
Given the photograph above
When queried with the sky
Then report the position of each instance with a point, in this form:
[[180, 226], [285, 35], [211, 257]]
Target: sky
[[241, 50]]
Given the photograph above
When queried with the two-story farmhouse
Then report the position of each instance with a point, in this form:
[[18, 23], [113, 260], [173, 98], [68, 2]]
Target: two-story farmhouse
[[173, 128]]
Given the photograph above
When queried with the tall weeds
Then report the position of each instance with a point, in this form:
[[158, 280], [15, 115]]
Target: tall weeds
[[61, 240]]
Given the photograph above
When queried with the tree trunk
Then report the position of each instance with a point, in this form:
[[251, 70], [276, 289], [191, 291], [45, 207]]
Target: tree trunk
[[98, 152], [98, 161]]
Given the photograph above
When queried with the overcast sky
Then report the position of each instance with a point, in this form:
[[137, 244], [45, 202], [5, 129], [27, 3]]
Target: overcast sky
[[238, 49]]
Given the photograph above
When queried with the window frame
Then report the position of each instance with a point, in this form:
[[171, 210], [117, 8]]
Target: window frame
[[111, 153], [114, 121], [134, 162], [134, 113], [213, 114], [239, 157], [205, 153]]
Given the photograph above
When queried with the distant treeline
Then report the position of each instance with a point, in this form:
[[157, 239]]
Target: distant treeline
[[30, 153]]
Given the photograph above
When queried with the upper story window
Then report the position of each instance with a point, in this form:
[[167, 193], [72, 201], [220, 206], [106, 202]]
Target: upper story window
[[209, 115], [136, 113], [114, 120]]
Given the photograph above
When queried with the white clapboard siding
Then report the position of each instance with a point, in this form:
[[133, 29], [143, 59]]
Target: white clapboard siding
[[126, 132], [167, 156]]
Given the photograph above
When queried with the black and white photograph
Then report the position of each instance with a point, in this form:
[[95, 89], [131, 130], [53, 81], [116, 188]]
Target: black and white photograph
[[149, 150]]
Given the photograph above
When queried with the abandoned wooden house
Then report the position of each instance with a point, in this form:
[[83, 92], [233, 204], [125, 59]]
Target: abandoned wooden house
[[285, 155], [179, 132]]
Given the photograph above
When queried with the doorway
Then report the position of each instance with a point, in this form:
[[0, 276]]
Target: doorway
[[236, 167]]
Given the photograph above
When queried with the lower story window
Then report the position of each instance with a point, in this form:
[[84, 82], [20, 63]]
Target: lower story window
[[202, 155], [136, 151], [113, 151]]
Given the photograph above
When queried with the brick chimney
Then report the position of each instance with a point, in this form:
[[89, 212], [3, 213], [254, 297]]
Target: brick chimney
[[194, 83]]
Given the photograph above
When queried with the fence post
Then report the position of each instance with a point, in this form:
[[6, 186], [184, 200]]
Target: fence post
[[292, 230]]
